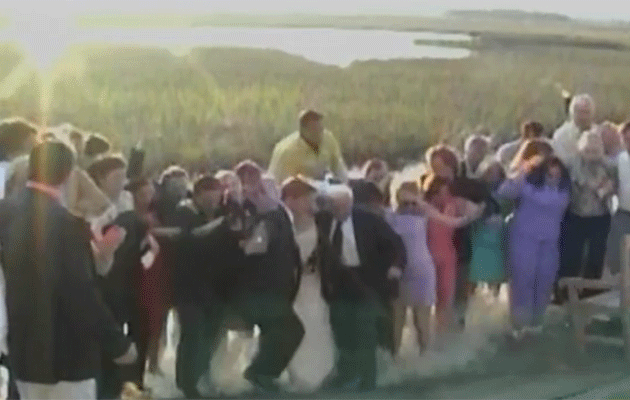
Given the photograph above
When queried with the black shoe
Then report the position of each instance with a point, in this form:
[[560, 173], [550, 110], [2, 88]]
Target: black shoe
[[262, 383], [342, 382]]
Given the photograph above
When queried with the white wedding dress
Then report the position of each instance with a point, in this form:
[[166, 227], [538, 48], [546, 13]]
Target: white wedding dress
[[314, 360]]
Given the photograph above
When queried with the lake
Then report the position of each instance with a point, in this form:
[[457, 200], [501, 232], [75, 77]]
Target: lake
[[330, 46]]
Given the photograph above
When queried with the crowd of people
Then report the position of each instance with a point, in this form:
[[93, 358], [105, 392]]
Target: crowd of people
[[96, 251]]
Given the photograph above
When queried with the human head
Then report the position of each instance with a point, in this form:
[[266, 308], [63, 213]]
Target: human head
[[96, 145], [437, 189], [590, 146], [442, 161], [528, 150], [207, 193], [624, 130], [250, 175], [174, 180], [611, 138], [231, 184], [299, 196], [407, 194], [311, 127], [582, 111], [17, 136], [493, 174], [476, 148], [143, 193], [50, 163], [375, 170], [341, 199], [531, 130], [368, 193], [550, 172], [109, 174]]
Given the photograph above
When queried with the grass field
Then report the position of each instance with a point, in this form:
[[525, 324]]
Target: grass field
[[221, 105]]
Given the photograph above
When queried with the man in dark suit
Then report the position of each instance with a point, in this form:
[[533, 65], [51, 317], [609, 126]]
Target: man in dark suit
[[366, 255], [268, 281], [199, 283], [58, 321]]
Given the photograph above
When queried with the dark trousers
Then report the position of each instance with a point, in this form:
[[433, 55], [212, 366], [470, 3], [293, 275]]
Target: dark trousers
[[200, 328], [281, 331], [354, 324], [113, 376], [582, 233]]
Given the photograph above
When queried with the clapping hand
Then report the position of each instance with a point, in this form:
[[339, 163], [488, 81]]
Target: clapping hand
[[394, 273]]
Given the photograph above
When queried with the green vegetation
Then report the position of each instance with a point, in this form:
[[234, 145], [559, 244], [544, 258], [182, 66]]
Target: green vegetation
[[221, 105]]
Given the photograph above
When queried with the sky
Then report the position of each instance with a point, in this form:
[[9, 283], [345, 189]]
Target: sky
[[585, 9]]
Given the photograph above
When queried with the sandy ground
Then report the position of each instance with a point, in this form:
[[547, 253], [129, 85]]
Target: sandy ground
[[481, 362]]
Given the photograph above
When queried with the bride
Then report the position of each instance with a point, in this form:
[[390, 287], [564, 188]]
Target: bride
[[314, 360]]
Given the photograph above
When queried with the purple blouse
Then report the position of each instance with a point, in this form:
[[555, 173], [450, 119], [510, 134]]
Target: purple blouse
[[540, 210]]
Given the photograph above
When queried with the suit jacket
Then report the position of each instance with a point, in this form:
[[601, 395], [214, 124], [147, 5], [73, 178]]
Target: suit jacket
[[58, 321], [379, 248], [121, 285], [278, 270]]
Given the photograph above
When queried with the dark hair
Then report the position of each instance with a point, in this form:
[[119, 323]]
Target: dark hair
[[14, 132], [532, 129], [136, 184], [50, 162], [96, 145], [433, 184], [538, 174], [205, 183], [447, 154], [104, 165], [625, 127], [365, 192]]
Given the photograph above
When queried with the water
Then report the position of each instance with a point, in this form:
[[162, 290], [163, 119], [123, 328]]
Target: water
[[339, 47]]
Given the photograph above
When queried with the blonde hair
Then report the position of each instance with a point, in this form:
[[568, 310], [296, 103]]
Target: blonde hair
[[591, 140]]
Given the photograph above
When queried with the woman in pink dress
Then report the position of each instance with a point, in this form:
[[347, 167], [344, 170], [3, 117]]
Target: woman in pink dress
[[443, 250]]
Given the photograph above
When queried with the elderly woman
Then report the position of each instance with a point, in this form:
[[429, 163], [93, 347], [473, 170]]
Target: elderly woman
[[612, 141], [588, 220], [581, 116]]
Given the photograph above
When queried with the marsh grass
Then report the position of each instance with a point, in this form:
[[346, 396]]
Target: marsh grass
[[219, 105]]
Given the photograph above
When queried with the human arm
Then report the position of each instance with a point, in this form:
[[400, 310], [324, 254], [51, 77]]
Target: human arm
[[277, 164], [512, 187], [80, 296], [337, 164], [90, 200], [472, 211]]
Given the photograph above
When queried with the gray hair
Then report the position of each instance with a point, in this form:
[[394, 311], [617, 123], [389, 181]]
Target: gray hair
[[580, 99], [474, 139]]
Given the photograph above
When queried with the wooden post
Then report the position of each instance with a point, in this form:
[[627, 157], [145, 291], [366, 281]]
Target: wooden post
[[625, 293]]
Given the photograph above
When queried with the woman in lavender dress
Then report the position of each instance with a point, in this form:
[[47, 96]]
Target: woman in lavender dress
[[542, 188], [417, 286]]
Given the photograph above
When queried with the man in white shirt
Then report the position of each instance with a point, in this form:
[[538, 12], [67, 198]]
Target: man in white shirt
[[581, 115], [620, 225], [365, 252]]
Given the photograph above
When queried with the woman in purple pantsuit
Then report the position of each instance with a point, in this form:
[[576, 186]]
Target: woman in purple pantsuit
[[542, 188]]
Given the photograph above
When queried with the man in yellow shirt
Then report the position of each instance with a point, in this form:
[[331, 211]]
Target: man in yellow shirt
[[312, 152]]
